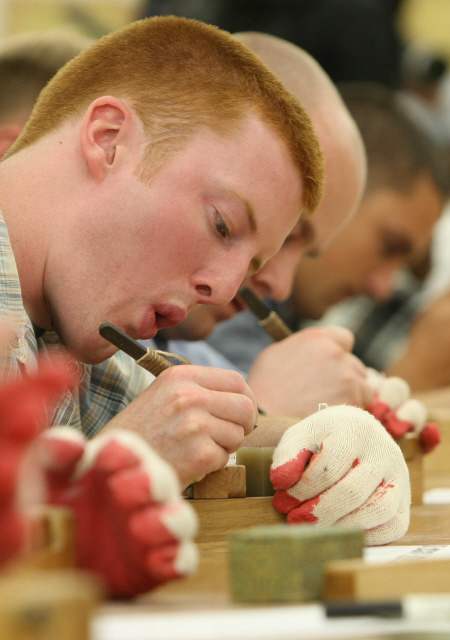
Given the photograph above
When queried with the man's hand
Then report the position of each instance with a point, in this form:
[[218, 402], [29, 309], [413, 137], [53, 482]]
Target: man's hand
[[315, 365], [341, 466], [132, 526], [194, 417], [425, 363], [398, 412]]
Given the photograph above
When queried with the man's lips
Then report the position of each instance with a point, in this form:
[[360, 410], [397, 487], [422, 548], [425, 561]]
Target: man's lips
[[168, 315], [160, 316], [239, 303], [236, 305]]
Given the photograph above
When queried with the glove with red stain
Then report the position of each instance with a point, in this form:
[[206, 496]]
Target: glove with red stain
[[340, 465], [132, 526], [23, 415], [393, 406]]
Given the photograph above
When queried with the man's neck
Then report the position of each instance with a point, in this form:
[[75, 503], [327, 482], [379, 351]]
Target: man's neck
[[26, 201]]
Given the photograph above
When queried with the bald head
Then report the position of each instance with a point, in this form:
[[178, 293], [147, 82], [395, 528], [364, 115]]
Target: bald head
[[338, 134], [296, 69]]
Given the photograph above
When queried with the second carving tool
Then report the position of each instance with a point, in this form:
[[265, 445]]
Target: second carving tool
[[268, 319]]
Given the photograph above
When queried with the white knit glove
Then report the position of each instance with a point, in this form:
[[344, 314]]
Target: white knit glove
[[393, 406], [341, 466]]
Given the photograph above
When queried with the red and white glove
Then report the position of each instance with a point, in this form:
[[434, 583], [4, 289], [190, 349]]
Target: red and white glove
[[393, 406], [132, 525], [340, 465], [23, 415]]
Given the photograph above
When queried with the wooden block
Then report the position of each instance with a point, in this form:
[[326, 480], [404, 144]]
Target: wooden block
[[51, 539], [217, 518], [228, 482], [438, 460], [212, 487], [356, 579], [257, 461], [236, 481], [286, 563], [414, 458], [47, 605]]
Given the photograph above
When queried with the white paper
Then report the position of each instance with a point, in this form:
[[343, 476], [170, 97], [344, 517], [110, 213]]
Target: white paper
[[437, 496], [288, 622]]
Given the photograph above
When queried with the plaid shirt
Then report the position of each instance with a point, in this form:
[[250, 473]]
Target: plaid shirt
[[104, 389]]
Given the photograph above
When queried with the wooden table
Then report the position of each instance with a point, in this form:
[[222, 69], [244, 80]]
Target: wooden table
[[208, 589]]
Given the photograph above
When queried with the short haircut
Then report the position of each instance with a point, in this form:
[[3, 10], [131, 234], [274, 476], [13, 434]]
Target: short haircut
[[27, 62], [398, 151], [180, 75]]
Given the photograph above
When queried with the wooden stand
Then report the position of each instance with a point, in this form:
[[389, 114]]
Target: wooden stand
[[359, 580], [47, 605], [228, 482], [414, 457], [42, 595], [438, 460]]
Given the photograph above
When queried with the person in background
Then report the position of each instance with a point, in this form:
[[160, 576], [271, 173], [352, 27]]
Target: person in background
[[405, 193], [352, 40], [27, 62]]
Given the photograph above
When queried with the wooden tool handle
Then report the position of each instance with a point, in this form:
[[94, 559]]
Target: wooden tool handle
[[154, 362], [275, 327]]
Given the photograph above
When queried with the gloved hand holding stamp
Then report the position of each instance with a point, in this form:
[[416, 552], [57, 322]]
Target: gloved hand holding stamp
[[340, 465], [399, 413]]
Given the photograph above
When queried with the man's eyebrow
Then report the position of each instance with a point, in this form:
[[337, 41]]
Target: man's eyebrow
[[248, 209]]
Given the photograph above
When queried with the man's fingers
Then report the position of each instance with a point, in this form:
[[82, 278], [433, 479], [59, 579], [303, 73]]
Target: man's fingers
[[389, 531], [337, 501], [430, 437], [209, 378], [285, 476], [380, 507], [119, 451], [60, 449], [164, 524], [326, 470], [172, 561], [341, 336], [235, 408], [237, 398]]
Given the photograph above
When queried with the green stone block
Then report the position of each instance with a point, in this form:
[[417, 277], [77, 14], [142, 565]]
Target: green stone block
[[285, 563]]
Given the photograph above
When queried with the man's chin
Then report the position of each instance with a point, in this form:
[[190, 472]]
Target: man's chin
[[93, 353]]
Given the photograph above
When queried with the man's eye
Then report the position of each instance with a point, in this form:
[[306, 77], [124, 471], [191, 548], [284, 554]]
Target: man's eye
[[221, 227]]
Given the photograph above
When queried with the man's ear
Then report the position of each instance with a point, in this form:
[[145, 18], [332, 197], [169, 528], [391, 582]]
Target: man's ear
[[105, 126], [8, 135]]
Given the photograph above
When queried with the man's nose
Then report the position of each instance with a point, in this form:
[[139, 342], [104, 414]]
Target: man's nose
[[275, 280], [381, 284], [220, 285]]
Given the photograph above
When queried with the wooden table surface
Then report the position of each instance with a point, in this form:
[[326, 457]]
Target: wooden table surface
[[208, 589]]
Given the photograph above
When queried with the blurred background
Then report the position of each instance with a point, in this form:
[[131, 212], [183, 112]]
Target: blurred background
[[404, 44], [427, 21]]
